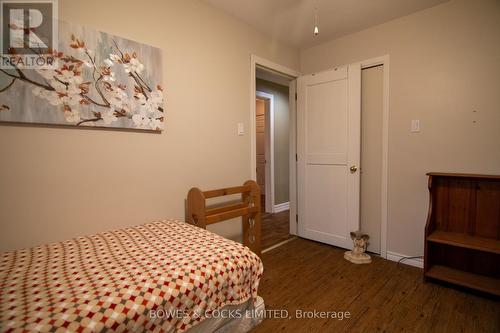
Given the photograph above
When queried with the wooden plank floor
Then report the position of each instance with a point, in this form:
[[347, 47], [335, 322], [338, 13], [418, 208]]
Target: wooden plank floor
[[381, 296], [275, 228]]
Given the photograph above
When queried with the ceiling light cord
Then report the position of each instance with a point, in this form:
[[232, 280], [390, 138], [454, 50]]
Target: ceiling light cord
[[316, 29]]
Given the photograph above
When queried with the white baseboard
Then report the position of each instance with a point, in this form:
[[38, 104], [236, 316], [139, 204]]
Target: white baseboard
[[416, 262], [282, 207]]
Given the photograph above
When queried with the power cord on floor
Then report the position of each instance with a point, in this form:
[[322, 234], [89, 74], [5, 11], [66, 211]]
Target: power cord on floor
[[406, 258]]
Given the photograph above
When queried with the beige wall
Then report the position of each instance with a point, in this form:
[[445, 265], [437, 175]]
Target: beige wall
[[281, 138], [57, 183], [444, 64]]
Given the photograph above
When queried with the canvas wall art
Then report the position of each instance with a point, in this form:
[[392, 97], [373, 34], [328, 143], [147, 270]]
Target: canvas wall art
[[99, 80]]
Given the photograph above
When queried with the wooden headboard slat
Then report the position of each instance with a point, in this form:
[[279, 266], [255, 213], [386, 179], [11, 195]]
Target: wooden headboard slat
[[226, 191], [225, 208], [230, 214]]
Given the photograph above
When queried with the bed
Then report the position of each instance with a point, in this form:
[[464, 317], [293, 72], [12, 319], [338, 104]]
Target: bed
[[164, 276]]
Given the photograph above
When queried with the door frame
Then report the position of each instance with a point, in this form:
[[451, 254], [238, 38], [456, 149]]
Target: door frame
[[256, 61], [269, 149], [384, 61]]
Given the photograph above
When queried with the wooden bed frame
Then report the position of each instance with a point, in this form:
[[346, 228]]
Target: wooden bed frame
[[198, 214]]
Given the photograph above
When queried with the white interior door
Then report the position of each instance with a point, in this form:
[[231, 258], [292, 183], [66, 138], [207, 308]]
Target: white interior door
[[328, 147]]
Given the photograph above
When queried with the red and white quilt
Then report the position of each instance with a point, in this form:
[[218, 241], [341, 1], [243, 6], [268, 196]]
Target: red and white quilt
[[115, 281]]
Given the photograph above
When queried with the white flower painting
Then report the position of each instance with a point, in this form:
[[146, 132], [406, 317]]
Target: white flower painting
[[99, 80]]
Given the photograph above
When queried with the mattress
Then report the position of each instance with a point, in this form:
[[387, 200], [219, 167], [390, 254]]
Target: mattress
[[165, 276]]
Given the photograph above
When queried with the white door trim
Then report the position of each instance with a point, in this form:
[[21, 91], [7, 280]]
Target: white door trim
[[258, 61], [384, 60], [269, 142]]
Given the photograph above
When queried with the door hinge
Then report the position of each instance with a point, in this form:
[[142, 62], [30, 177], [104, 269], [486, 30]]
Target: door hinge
[[296, 158], [296, 218], [295, 96]]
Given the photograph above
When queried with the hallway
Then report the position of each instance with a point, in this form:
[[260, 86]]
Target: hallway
[[275, 227]]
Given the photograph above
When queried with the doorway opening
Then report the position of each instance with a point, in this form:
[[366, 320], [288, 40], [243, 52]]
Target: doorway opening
[[273, 143]]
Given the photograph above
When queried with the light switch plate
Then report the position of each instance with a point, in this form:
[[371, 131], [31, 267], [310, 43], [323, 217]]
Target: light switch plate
[[415, 126], [241, 129]]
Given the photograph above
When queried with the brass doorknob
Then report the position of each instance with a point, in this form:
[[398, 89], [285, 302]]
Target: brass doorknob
[[353, 168]]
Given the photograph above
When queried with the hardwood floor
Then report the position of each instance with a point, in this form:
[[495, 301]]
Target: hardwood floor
[[275, 228], [381, 296]]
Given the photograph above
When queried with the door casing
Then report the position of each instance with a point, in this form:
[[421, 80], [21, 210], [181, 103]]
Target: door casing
[[256, 61]]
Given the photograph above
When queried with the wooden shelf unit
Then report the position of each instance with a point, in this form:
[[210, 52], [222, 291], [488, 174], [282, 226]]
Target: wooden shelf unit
[[462, 234]]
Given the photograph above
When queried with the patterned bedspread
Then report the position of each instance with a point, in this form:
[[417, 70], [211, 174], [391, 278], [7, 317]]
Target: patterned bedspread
[[128, 280]]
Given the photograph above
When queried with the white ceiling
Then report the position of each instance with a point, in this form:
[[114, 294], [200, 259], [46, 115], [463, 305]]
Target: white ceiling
[[292, 21]]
